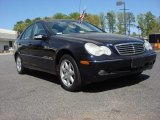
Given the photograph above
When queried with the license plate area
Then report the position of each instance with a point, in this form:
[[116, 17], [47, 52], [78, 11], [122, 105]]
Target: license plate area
[[137, 63]]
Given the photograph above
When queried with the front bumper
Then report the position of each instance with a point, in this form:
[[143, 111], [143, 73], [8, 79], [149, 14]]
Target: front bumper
[[121, 66]]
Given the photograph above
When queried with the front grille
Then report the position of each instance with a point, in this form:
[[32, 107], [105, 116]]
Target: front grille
[[130, 48]]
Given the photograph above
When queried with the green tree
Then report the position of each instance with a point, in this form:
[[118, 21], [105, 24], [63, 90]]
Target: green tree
[[111, 21], [20, 26], [36, 19], [147, 22], [102, 21], [130, 20], [141, 24], [150, 22], [60, 16], [155, 27], [134, 34], [47, 18], [120, 25], [28, 21], [74, 15], [93, 19]]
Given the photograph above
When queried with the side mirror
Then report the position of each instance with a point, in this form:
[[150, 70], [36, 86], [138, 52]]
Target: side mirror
[[40, 37]]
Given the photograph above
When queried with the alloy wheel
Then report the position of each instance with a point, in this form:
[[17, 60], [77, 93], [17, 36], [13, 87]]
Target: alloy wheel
[[67, 73], [19, 64]]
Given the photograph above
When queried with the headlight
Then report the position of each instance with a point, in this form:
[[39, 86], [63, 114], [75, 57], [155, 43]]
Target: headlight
[[97, 50], [147, 45]]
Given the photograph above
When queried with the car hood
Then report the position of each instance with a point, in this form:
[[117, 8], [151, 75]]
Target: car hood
[[101, 38]]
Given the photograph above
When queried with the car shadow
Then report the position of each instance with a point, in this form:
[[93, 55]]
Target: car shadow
[[115, 83], [107, 85], [44, 76]]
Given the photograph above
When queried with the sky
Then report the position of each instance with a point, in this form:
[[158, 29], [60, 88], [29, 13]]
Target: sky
[[12, 11]]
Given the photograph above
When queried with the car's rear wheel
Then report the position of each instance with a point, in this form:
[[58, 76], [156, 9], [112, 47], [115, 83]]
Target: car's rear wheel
[[69, 74], [19, 65]]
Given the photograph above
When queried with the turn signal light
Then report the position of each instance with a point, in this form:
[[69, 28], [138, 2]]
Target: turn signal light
[[84, 62]]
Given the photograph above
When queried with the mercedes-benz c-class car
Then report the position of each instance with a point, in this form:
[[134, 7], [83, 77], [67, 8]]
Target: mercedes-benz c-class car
[[80, 53]]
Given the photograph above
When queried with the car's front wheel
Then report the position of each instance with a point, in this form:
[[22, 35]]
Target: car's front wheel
[[69, 74], [19, 65]]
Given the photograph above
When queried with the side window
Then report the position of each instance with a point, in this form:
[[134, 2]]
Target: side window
[[39, 29], [28, 33]]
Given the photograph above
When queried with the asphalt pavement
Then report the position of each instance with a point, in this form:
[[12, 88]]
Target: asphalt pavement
[[39, 96]]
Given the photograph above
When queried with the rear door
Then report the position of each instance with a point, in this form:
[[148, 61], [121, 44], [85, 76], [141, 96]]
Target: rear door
[[23, 44]]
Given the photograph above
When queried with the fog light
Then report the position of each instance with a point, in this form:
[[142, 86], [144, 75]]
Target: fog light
[[102, 72]]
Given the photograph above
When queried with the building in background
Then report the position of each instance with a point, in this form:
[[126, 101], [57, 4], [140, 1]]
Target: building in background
[[7, 38]]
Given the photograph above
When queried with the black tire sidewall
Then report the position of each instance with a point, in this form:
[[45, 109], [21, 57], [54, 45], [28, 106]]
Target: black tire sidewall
[[77, 82]]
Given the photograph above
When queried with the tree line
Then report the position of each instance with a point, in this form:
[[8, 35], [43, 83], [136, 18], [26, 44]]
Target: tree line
[[111, 22]]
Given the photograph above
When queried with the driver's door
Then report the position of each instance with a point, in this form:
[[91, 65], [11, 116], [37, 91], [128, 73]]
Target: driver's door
[[40, 55]]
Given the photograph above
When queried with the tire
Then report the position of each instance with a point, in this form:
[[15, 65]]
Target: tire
[[69, 74], [19, 65]]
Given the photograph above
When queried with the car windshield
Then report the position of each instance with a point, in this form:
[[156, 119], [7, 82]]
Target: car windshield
[[69, 27]]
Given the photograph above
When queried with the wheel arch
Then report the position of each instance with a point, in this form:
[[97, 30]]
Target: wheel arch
[[78, 83], [15, 55], [60, 54]]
